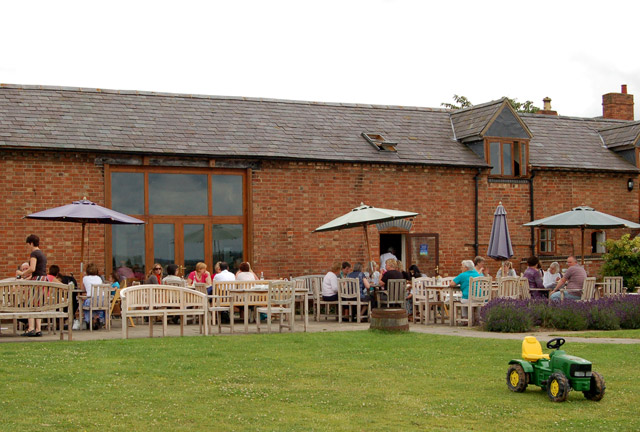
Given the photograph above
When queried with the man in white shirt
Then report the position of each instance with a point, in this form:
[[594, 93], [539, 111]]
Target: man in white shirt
[[225, 274], [384, 257], [330, 283]]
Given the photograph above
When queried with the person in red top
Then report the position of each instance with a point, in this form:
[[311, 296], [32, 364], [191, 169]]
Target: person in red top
[[200, 275]]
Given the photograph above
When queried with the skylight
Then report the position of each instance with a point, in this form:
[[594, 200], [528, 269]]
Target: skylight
[[380, 142]]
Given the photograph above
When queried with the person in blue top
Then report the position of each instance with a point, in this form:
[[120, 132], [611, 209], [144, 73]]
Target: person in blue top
[[468, 271]]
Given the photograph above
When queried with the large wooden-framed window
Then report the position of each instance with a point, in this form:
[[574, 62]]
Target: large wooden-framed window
[[508, 157], [546, 241], [191, 215]]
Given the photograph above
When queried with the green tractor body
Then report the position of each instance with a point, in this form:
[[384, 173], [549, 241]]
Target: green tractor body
[[557, 373]]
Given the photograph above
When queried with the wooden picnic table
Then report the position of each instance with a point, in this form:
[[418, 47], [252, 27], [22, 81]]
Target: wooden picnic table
[[257, 296]]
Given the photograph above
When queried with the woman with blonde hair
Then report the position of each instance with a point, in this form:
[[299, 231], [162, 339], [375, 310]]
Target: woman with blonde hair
[[200, 275], [154, 277]]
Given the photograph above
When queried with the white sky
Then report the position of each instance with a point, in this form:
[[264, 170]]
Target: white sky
[[415, 53]]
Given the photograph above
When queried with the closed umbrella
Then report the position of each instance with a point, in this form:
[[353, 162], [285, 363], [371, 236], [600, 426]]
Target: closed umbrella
[[84, 212], [583, 217], [500, 247], [364, 216]]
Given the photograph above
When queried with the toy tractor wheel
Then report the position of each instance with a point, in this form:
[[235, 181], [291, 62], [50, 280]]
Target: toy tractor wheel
[[558, 387], [596, 392], [516, 378]]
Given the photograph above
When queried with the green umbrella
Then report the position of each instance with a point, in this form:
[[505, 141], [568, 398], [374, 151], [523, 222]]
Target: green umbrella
[[364, 216], [584, 218]]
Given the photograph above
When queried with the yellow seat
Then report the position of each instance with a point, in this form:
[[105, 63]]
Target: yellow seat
[[531, 349]]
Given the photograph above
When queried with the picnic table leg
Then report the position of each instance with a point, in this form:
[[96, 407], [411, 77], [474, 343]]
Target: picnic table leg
[[151, 318], [306, 311], [451, 311], [164, 325]]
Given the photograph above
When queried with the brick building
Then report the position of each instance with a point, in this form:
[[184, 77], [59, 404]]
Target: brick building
[[220, 178]]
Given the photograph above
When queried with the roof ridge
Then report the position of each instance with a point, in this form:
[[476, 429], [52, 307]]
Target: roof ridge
[[217, 97]]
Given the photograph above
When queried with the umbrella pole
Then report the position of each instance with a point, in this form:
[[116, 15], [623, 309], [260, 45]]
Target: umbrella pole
[[366, 235], [582, 250], [82, 250]]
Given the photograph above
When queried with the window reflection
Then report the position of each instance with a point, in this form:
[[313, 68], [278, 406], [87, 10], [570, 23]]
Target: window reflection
[[226, 195], [128, 250], [178, 194], [227, 245], [506, 160], [127, 192], [193, 246], [163, 244], [494, 154]]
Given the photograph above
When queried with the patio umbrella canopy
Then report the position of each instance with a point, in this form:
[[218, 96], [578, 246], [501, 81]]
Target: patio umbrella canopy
[[584, 218], [364, 216], [84, 212], [500, 247]]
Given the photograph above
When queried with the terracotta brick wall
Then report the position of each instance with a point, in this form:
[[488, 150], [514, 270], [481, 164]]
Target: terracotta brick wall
[[291, 199]]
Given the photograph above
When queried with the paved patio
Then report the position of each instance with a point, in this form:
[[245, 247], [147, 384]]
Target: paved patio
[[142, 331]]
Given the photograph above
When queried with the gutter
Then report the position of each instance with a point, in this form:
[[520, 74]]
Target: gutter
[[533, 235], [476, 179]]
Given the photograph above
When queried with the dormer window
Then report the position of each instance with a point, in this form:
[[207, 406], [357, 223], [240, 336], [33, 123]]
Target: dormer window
[[507, 157], [380, 142]]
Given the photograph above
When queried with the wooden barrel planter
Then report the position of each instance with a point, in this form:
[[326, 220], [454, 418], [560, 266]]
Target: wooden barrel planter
[[389, 320]]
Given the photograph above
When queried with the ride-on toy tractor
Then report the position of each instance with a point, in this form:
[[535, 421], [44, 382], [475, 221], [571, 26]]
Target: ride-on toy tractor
[[557, 372]]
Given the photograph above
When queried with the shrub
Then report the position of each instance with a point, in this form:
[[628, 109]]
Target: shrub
[[506, 316], [568, 315], [623, 259], [603, 318], [627, 309]]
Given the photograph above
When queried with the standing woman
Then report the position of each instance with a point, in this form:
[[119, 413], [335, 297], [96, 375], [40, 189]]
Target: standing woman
[[37, 271]]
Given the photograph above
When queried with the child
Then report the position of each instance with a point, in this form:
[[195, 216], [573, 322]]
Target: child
[[408, 304]]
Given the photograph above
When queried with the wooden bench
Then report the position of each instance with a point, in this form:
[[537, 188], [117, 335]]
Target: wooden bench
[[161, 301], [23, 299]]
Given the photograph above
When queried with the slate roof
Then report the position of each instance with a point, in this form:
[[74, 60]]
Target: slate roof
[[227, 127], [572, 143], [470, 122], [223, 127], [621, 137]]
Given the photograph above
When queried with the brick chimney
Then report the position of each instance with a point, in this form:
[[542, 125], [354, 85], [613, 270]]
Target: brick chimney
[[618, 105], [547, 107]]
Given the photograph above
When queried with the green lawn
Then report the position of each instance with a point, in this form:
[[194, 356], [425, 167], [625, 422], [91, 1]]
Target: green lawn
[[351, 381], [625, 334]]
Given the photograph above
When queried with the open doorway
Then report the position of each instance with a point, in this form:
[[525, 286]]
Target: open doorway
[[394, 240]]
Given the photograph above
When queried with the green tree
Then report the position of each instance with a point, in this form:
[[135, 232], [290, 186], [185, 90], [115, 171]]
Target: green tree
[[623, 259], [462, 102]]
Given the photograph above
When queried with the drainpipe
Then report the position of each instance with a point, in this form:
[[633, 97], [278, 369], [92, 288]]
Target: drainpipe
[[476, 179], [533, 235]]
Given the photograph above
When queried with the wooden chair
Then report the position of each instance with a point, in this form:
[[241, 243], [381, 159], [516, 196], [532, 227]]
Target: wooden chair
[[523, 289], [349, 295], [179, 283], [612, 286], [308, 283], [299, 284], [508, 287], [100, 300], [396, 293], [588, 290], [418, 291], [280, 300], [222, 300], [479, 292], [317, 295], [436, 302]]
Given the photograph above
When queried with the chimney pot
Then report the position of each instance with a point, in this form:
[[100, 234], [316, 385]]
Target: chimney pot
[[624, 89], [547, 103]]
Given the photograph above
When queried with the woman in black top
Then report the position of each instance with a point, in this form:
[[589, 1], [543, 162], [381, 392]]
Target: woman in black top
[[38, 271]]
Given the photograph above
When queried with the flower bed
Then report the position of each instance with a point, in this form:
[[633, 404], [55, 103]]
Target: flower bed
[[517, 316]]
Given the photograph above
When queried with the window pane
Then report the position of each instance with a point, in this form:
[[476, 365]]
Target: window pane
[[178, 194], [227, 245], [127, 192], [494, 154], [163, 244], [507, 161], [193, 246], [523, 159], [128, 250], [516, 157], [227, 195]]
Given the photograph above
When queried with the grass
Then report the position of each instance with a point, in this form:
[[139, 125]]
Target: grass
[[351, 381], [624, 334]]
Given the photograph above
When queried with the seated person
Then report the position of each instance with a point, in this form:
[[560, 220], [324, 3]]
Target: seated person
[[245, 273], [92, 278], [23, 268], [364, 284], [532, 273], [330, 283], [414, 272], [225, 274], [200, 275], [375, 276], [172, 274], [392, 271], [574, 278], [155, 275], [346, 269], [54, 274], [468, 271], [506, 270], [551, 276]]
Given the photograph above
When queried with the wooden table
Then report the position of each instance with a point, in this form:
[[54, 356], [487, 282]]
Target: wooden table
[[450, 290], [260, 299]]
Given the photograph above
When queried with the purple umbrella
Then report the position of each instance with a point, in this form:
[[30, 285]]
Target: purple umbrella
[[84, 212], [500, 241]]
